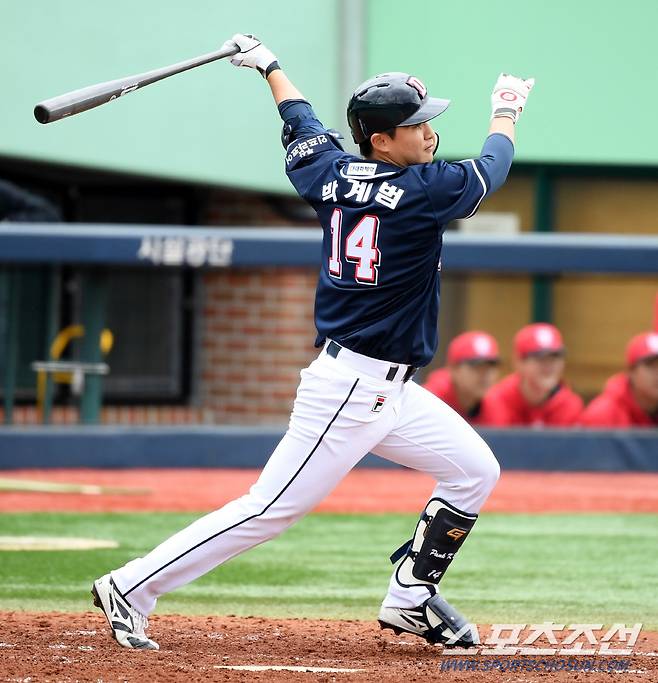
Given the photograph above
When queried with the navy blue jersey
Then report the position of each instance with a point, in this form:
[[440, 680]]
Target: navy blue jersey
[[378, 290]]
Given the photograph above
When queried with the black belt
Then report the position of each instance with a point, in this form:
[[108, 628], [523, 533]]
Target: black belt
[[334, 349]]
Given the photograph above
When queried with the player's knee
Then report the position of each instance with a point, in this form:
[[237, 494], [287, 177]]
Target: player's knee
[[484, 471], [490, 471]]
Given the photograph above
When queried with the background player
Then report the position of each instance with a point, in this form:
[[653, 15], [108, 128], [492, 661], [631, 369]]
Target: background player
[[376, 314], [630, 399], [472, 363], [535, 394]]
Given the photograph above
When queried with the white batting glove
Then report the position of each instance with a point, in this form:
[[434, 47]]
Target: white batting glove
[[253, 54], [509, 96]]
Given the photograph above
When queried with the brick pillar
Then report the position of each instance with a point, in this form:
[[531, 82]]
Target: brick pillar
[[257, 334]]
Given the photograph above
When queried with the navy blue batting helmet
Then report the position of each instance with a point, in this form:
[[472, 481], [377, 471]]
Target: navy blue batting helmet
[[390, 100]]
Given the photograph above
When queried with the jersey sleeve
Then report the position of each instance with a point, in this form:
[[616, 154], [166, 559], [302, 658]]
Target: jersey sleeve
[[310, 147], [601, 413], [457, 189]]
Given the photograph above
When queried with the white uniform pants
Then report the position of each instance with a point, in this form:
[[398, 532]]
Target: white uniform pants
[[345, 407]]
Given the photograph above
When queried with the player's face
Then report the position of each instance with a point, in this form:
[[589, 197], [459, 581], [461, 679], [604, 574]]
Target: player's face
[[542, 373], [411, 145], [644, 378], [474, 379]]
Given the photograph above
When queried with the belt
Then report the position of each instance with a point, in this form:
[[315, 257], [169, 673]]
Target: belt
[[371, 365]]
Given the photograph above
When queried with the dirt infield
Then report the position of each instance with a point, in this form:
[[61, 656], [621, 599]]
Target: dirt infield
[[77, 647], [363, 490]]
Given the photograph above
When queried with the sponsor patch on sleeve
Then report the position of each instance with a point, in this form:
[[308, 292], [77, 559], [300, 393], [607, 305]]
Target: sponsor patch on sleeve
[[305, 148]]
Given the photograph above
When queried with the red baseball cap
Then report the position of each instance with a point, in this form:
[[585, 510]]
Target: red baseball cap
[[538, 339], [473, 347], [641, 347]]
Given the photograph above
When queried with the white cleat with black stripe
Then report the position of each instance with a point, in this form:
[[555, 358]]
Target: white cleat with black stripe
[[127, 624], [435, 620]]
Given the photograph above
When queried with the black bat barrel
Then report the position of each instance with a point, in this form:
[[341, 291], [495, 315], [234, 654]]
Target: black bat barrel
[[94, 95], [86, 98], [80, 100]]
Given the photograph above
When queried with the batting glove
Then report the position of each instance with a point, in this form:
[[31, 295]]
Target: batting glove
[[509, 96], [253, 54]]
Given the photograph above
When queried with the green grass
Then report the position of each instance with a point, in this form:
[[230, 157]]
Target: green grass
[[513, 568]]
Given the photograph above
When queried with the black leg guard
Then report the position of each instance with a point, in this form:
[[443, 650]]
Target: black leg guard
[[439, 534]]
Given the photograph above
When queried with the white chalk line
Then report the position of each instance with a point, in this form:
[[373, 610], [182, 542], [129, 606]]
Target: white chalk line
[[274, 667], [10, 543]]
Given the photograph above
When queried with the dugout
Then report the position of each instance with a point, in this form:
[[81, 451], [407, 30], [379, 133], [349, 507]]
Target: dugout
[[244, 273]]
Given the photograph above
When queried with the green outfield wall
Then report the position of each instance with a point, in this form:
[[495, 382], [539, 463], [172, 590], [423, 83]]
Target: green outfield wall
[[214, 124], [594, 62]]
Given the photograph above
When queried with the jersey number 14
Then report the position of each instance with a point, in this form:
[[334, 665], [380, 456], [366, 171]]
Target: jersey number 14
[[360, 248]]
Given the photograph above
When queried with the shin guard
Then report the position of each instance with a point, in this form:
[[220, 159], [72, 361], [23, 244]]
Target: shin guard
[[439, 534]]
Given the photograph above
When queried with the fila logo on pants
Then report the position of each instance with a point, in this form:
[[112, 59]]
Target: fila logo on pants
[[379, 404]]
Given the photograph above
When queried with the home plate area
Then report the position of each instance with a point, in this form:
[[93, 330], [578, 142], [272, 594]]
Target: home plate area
[[77, 647]]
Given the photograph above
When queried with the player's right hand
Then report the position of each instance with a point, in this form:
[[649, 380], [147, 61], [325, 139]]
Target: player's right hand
[[253, 53], [509, 96]]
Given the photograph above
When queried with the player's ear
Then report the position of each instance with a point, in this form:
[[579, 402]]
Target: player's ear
[[380, 142]]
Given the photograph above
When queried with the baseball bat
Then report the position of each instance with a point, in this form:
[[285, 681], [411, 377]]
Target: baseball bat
[[92, 96]]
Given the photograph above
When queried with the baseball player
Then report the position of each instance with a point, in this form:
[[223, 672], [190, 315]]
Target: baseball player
[[471, 370], [377, 302], [630, 399], [535, 394]]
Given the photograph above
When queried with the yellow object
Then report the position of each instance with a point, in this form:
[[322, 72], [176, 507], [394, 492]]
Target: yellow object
[[60, 343]]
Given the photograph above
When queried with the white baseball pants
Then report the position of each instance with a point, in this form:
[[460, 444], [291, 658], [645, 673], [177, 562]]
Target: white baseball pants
[[344, 408]]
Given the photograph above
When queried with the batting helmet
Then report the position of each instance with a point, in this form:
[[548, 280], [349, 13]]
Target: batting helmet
[[390, 100]]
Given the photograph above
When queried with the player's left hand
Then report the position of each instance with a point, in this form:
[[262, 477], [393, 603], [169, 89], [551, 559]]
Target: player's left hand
[[253, 53], [509, 96]]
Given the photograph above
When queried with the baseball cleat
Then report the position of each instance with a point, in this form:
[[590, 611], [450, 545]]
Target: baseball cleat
[[435, 620], [128, 626]]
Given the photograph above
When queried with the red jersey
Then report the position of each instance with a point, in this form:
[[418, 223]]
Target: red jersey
[[617, 407], [440, 384], [506, 406]]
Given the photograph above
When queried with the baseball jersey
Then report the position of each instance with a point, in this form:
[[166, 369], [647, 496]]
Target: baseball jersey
[[378, 289], [617, 407], [505, 406]]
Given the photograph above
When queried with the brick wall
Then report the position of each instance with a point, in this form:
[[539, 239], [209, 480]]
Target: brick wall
[[257, 334], [237, 207], [117, 415]]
